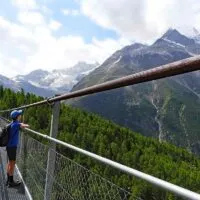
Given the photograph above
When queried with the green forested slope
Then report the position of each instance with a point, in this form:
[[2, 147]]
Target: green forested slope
[[105, 138], [167, 109]]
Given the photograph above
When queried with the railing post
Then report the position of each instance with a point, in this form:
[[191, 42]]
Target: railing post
[[51, 153]]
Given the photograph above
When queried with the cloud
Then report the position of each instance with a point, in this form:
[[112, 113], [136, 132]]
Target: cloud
[[142, 20], [25, 4], [31, 18], [72, 12], [46, 10], [31, 43], [28, 46], [54, 25]]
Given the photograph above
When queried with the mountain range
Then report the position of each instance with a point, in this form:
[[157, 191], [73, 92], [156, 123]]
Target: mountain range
[[45, 83], [168, 109]]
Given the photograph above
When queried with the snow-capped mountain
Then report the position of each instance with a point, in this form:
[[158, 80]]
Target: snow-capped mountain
[[171, 44], [17, 86], [8, 83], [54, 82], [167, 109], [173, 38]]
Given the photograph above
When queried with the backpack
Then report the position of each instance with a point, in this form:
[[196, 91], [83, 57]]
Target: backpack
[[4, 135]]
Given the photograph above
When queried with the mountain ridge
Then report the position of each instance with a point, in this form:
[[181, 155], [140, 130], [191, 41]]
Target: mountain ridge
[[48, 83], [158, 108]]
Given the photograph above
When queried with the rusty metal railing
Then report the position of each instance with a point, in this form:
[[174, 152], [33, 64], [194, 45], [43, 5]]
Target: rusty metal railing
[[171, 69]]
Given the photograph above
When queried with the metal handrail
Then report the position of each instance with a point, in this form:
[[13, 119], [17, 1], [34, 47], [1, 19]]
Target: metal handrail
[[185, 193], [171, 69]]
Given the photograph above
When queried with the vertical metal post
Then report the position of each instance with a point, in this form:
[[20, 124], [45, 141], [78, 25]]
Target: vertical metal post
[[51, 153]]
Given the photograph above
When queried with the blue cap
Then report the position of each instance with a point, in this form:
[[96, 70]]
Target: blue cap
[[15, 113]]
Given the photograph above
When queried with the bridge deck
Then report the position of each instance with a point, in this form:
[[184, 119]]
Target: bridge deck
[[6, 193]]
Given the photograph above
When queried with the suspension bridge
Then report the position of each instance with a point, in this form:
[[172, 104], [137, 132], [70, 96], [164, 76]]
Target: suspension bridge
[[39, 165]]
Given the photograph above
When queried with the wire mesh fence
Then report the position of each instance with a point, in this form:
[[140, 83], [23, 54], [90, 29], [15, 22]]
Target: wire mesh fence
[[69, 179], [2, 181]]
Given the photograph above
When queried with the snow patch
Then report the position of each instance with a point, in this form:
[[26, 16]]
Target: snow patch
[[114, 63], [172, 42], [59, 80], [34, 84], [117, 60]]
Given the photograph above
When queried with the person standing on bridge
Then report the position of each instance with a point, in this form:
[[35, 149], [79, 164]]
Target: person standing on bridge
[[12, 145]]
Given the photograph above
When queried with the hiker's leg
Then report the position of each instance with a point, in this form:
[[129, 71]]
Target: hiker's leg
[[12, 152], [11, 169], [8, 167], [8, 170], [8, 164], [11, 182]]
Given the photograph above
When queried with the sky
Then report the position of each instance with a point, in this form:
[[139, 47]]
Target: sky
[[54, 34]]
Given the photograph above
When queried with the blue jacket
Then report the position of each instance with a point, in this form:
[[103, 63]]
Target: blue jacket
[[14, 134]]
